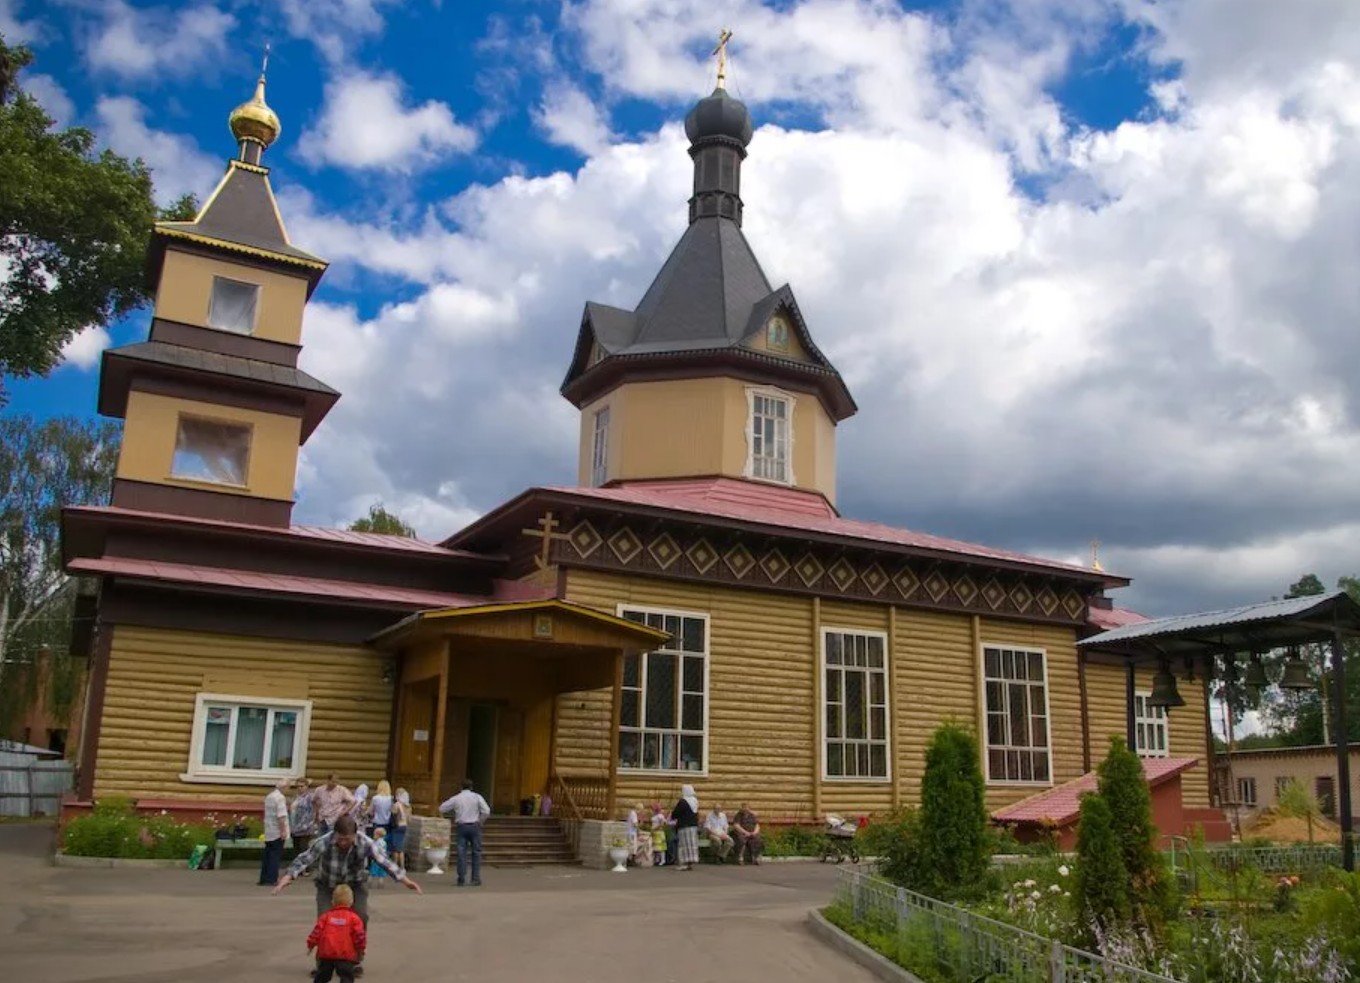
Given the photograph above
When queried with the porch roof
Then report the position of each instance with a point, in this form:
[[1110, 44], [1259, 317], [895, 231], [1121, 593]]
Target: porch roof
[[1060, 806], [629, 634]]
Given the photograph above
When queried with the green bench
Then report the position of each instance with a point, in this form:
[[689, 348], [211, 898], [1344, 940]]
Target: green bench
[[224, 848]]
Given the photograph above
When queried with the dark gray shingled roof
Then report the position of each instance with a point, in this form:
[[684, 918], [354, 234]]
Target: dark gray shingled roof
[[241, 211], [179, 356]]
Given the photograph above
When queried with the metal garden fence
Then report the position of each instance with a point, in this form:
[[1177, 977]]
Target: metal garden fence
[[965, 947], [34, 788]]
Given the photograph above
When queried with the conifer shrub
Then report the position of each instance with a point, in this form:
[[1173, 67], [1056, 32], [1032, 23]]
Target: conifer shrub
[[1101, 893], [1125, 790], [952, 834]]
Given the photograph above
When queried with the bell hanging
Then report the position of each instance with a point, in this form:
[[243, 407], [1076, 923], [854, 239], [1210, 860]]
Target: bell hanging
[[1295, 674], [1164, 692], [1256, 674]]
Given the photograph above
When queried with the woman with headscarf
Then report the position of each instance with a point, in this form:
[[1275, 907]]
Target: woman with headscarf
[[685, 815]]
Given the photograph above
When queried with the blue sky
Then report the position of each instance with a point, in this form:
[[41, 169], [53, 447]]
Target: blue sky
[[1087, 265]]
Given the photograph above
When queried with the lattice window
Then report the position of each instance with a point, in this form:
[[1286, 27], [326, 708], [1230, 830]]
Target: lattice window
[[599, 460], [770, 437], [1150, 728], [663, 723], [855, 704], [1246, 791], [1016, 684]]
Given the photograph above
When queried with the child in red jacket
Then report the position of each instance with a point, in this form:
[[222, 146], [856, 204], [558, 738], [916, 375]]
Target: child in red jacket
[[338, 938]]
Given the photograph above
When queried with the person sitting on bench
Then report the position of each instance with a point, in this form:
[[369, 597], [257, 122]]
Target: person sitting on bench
[[746, 831], [715, 824]]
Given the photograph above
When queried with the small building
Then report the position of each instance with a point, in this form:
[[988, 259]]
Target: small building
[[1249, 782]]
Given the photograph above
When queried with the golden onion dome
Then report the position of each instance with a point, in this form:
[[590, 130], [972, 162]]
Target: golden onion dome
[[254, 120]]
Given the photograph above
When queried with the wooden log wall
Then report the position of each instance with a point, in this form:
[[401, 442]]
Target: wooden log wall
[[1185, 729], [155, 676], [764, 661]]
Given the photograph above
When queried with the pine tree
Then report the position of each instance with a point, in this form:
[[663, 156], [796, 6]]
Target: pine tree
[[1102, 896], [1125, 791], [953, 814]]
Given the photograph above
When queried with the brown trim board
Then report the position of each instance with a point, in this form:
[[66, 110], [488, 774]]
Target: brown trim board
[[94, 710], [224, 342], [146, 496]]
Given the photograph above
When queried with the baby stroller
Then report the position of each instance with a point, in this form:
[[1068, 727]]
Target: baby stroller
[[838, 841]]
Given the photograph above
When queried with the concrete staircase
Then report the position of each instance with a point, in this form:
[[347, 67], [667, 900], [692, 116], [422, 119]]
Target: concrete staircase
[[524, 841]]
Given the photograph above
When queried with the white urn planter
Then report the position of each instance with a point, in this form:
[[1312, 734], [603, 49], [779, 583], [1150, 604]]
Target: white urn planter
[[619, 854], [434, 856]]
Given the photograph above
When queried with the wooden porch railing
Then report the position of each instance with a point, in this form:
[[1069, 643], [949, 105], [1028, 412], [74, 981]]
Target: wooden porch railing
[[578, 797]]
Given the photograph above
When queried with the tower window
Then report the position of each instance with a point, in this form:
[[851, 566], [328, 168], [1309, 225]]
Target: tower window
[[211, 450], [599, 459], [233, 305], [769, 437]]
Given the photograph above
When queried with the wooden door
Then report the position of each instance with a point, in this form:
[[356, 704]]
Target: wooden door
[[509, 743], [416, 739]]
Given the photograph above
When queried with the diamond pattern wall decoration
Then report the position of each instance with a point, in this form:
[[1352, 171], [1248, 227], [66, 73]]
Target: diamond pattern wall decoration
[[1021, 597], [739, 560], [702, 556], [965, 590], [584, 539], [907, 582], [1073, 604], [842, 574], [993, 593], [809, 570], [1047, 600], [935, 584], [774, 565], [626, 545], [874, 579], [664, 551]]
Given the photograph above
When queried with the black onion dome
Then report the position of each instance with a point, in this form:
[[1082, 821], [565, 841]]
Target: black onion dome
[[719, 116]]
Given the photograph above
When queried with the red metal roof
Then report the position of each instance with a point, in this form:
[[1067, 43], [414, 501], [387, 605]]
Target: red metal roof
[[1107, 618], [1060, 806], [274, 583], [789, 508]]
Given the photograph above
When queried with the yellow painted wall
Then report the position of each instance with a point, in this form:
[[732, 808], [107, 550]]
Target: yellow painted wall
[[185, 291], [764, 663], [155, 675], [152, 423], [1185, 725], [692, 427]]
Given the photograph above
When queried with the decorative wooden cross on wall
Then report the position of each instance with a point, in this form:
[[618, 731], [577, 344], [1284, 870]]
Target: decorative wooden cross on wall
[[546, 532]]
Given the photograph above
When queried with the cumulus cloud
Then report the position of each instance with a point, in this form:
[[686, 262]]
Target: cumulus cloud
[[134, 42], [366, 125], [570, 118], [177, 165], [334, 26], [17, 31], [51, 96], [1160, 351], [84, 349]]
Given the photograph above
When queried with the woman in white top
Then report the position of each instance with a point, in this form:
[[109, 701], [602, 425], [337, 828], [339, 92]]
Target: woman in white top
[[380, 808]]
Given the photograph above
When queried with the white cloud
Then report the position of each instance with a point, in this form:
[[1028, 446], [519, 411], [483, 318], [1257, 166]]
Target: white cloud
[[84, 349], [177, 165], [1161, 354], [51, 96], [17, 31], [334, 26], [366, 126], [570, 118], [136, 42]]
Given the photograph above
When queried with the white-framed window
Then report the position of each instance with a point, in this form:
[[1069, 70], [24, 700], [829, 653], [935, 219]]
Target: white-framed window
[[1016, 684], [663, 720], [855, 705], [247, 740], [769, 435], [599, 455], [1246, 791], [1150, 728], [233, 305], [211, 450]]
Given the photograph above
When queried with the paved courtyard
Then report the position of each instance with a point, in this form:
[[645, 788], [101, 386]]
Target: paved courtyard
[[62, 925]]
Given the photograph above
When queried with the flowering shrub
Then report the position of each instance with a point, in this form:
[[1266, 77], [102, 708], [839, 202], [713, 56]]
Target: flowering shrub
[[1042, 903], [112, 829]]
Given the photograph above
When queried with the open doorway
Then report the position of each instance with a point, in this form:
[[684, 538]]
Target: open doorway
[[481, 748]]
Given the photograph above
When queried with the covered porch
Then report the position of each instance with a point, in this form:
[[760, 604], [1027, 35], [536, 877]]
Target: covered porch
[[476, 697], [1236, 639]]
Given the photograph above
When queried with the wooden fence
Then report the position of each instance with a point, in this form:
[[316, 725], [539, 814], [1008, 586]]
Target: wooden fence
[[34, 788]]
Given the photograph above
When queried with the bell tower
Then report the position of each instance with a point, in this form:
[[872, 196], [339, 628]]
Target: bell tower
[[214, 406], [715, 373]]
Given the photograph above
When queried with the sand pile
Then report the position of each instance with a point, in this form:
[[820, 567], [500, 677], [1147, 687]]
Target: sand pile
[[1272, 826]]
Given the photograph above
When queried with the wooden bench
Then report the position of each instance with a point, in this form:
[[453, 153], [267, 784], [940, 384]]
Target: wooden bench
[[254, 846]]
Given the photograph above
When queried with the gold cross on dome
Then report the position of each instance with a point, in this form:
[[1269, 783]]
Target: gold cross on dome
[[545, 532], [721, 51], [1095, 556]]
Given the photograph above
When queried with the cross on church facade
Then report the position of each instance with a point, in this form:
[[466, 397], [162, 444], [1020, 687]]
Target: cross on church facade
[[546, 532]]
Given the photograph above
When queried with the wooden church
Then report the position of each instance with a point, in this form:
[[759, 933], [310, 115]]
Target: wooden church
[[694, 610]]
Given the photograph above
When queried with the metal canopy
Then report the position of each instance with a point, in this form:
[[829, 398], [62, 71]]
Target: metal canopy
[[1320, 618], [1254, 628]]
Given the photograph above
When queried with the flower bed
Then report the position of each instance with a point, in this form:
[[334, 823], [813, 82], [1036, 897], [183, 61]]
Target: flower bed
[[113, 829]]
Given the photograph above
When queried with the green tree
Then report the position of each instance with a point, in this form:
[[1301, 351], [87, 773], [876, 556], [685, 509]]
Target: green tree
[[1125, 790], [1101, 893], [382, 521], [73, 229], [1295, 800], [43, 468], [953, 817]]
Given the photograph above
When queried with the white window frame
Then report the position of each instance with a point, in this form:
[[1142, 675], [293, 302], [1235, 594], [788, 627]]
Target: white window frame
[[254, 312], [599, 453], [1048, 717], [622, 611], [245, 425], [225, 774], [790, 401], [1148, 724], [1243, 786], [886, 741]]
